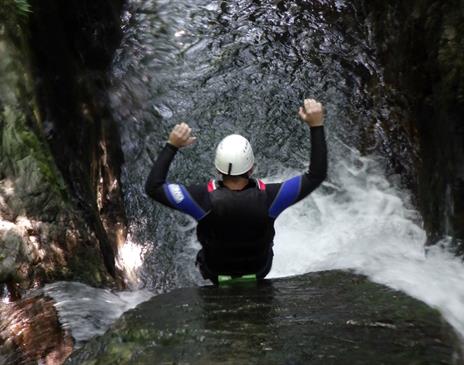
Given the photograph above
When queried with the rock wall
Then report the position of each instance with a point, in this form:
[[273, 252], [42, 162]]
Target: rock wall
[[61, 212], [31, 333], [72, 48], [421, 45]]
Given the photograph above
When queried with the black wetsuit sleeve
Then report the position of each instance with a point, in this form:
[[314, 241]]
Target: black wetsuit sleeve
[[158, 174], [283, 195], [317, 171], [192, 200]]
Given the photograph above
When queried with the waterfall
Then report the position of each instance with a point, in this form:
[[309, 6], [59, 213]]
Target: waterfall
[[246, 66]]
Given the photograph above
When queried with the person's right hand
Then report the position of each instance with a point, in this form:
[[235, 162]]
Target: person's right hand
[[180, 136], [311, 113]]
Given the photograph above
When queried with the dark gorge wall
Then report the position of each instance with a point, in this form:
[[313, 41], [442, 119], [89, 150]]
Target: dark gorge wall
[[73, 43], [61, 211], [421, 46]]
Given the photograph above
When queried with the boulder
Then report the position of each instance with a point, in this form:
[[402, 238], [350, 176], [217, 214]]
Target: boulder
[[319, 318]]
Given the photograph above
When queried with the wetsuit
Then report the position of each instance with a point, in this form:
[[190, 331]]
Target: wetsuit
[[236, 228]]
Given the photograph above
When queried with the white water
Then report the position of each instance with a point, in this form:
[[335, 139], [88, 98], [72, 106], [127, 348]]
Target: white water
[[87, 311], [357, 220], [360, 221]]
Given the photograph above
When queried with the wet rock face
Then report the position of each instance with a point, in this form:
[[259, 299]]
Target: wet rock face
[[320, 318], [30, 333], [61, 213], [72, 46], [421, 47], [42, 235]]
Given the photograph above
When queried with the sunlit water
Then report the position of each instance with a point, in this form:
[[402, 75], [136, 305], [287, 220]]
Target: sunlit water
[[245, 66], [87, 311]]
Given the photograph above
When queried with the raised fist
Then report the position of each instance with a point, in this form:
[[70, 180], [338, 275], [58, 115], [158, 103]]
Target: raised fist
[[311, 113]]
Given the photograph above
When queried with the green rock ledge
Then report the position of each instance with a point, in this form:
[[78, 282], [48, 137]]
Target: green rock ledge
[[331, 317]]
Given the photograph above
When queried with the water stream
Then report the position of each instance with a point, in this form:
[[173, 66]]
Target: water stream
[[245, 66]]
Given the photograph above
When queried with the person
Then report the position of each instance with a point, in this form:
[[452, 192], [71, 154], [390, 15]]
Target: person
[[236, 214]]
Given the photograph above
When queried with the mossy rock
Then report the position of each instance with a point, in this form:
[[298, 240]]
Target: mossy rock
[[320, 318], [32, 187]]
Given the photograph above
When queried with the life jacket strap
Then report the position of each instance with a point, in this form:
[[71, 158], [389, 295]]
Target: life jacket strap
[[212, 185], [260, 184]]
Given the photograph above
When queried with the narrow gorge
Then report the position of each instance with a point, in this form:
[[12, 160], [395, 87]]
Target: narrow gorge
[[88, 94]]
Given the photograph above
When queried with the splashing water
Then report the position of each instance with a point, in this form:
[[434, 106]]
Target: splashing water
[[360, 221], [87, 311]]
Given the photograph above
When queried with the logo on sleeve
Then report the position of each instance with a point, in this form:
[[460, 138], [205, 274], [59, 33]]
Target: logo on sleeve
[[176, 192]]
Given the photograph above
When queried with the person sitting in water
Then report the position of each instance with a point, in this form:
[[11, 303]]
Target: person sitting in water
[[236, 215]]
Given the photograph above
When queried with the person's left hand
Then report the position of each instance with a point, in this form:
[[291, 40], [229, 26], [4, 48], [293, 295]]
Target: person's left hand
[[181, 136]]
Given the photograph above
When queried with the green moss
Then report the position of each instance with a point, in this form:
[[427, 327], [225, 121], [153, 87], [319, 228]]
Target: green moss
[[20, 136], [27, 164], [18, 143], [86, 266], [14, 14], [23, 8], [26, 160], [118, 354]]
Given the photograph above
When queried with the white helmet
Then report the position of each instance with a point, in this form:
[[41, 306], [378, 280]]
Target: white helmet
[[234, 155]]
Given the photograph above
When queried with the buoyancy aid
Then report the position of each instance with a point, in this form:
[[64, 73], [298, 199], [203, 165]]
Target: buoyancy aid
[[237, 233]]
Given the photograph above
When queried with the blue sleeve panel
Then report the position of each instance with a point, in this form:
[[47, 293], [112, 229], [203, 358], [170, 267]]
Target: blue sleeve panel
[[181, 200], [286, 196]]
